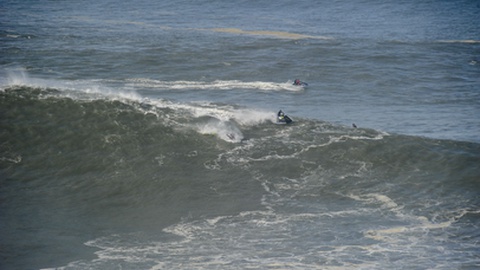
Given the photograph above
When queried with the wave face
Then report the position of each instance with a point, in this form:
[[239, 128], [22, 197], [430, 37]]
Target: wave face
[[155, 184], [141, 134]]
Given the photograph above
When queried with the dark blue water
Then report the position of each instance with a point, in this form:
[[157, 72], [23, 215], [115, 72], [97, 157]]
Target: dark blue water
[[142, 135]]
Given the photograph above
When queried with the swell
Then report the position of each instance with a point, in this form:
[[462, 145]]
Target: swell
[[63, 136], [95, 164], [88, 166], [124, 155]]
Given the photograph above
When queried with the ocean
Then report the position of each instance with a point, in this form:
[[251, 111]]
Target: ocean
[[143, 134]]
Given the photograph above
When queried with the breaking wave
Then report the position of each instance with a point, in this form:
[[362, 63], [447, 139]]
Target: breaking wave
[[214, 182]]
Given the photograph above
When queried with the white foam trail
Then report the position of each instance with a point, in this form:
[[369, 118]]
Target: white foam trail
[[213, 85], [94, 88]]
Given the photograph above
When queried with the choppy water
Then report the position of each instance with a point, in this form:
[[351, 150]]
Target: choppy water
[[141, 135]]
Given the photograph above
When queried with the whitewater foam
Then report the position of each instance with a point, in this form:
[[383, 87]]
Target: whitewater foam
[[225, 130], [159, 85], [75, 89]]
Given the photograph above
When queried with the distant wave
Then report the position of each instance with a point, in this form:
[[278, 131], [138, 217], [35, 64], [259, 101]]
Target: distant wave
[[276, 34], [466, 41]]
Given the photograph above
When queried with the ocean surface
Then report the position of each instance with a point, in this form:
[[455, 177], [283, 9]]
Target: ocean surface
[[142, 134]]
